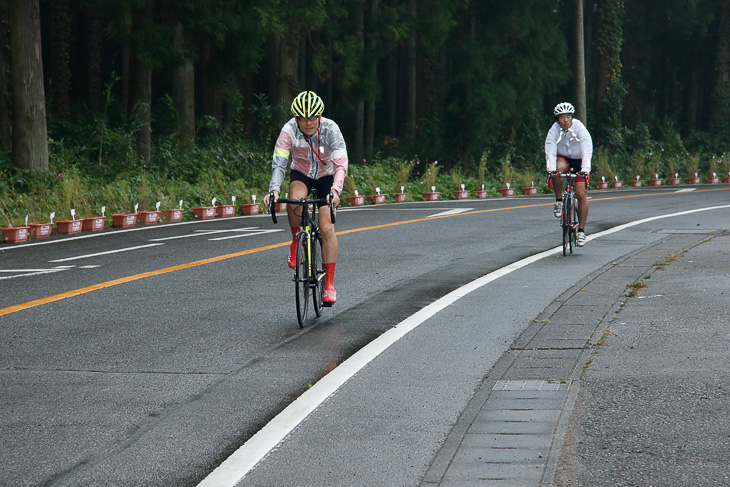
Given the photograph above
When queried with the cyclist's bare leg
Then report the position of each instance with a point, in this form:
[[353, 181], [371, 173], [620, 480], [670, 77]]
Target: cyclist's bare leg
[[297, 190], [563, 168], [329, 238], [582, 194]]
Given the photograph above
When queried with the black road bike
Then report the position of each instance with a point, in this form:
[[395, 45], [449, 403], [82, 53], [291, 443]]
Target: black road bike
[[309, 272], [569, 217]]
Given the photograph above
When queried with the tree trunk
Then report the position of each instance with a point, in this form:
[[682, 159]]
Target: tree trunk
[[609, 84], [212, 93], [692, 99], [411, 72], [139, 99], [373, 76], [580, 67], [603, 78], [391, 94], [330, 84], [60, 68], [30, 137], [360, 102], [5, 93], [183, 92], [274, 67], [721, 91], [633, 66], [94, 52], [288, 65]]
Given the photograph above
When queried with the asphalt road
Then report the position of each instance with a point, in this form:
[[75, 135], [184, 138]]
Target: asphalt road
[[148, 356]]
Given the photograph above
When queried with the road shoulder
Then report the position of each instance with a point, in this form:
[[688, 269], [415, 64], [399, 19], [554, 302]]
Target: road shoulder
[[513, 429]]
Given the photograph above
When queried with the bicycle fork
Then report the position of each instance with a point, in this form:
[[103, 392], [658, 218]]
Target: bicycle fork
[[305, 232]]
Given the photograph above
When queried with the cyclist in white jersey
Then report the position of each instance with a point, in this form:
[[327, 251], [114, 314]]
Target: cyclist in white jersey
[[569, 147], [318, 160]]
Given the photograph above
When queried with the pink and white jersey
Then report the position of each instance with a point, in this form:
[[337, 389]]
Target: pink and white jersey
[[322, 154]]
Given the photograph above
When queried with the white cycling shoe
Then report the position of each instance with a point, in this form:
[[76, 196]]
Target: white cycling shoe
[[558, 209], [580, 239]]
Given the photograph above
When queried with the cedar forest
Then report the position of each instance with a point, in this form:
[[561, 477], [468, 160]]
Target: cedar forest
[[117, 102]]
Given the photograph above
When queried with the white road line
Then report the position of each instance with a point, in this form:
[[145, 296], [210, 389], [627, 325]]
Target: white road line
[[106, 253], [260, 232], [454, 211], [202, 233], [685, 190], [240, 463], [29, 272]]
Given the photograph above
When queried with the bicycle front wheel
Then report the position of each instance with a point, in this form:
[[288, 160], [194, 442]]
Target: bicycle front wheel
[[317, 270], [566, 223], [301, 280], [573, 224]]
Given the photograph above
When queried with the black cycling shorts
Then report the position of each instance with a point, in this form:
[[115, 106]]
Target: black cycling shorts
[[575, 164], [323, 185]]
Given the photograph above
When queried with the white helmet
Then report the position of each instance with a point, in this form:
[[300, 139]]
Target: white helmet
[[562, 108]]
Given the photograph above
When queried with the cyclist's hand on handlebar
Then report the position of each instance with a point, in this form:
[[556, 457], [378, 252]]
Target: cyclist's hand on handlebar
[[334, 198], [582, 173], [267, 198]]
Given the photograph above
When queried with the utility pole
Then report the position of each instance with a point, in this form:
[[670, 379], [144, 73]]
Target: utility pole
[[580, 68]]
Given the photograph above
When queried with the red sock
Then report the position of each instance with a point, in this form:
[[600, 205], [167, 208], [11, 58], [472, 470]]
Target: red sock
[[292, 257], [330, 295], [329, 270]]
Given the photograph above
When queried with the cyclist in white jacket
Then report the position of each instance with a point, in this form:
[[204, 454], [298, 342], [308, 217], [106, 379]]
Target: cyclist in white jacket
[[318, 160], [569, 147]]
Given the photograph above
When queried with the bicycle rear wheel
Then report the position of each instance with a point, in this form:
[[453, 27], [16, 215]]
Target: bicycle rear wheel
[[317, 281], [301, 280]]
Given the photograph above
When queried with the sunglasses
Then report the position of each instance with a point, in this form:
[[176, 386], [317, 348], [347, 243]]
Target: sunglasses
[[308, 119]]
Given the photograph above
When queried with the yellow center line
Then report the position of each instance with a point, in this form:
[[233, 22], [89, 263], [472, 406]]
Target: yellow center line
[[123, 280]]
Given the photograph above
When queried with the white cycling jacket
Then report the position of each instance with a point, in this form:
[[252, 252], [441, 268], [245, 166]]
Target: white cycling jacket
[[328, 142], [574, 143]]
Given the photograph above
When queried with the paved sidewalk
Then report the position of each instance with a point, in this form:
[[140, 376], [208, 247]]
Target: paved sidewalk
[[608, 389]]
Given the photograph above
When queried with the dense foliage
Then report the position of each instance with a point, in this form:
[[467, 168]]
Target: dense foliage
[[468, 83]]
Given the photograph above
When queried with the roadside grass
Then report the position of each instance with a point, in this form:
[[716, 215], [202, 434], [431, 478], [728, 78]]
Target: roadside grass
[[81, 179], [666, 260], [635, 287]]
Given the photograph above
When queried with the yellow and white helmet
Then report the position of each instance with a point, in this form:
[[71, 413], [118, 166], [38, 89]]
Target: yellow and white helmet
[[307, 104]]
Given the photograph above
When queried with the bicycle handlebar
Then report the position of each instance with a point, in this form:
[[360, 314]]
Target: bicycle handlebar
[[300, 202]]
